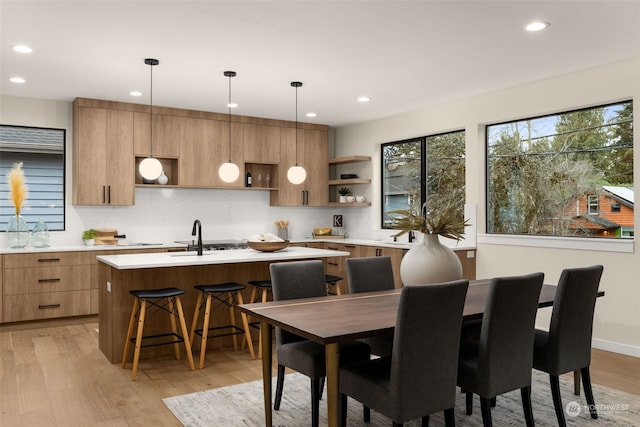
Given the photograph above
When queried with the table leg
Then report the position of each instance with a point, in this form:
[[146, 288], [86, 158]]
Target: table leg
[[332, 359], [265, 334]]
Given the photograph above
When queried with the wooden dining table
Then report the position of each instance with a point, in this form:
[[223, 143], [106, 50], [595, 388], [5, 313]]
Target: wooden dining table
[[334, 319]]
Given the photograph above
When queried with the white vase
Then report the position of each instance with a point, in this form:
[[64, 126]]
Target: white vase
[[430, 262], [163, 179], [343, 199]]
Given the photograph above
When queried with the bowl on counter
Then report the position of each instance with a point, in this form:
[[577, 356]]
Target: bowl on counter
[[268, 246]]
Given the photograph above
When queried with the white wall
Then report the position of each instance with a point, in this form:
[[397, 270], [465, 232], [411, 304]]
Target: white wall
[[165, 215], [617, 323]]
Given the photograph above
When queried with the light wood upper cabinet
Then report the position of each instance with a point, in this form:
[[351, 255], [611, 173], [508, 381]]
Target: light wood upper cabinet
[[261, 143], [103, 162], [204, 146], [312, 154], [166, 135]]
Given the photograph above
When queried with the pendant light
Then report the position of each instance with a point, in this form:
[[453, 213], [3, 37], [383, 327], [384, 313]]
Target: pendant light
[[150, 168], [229, 172], [296, 174]]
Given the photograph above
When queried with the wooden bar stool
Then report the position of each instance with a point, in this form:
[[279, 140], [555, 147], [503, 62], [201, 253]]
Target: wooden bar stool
[[229, 294], [264, 287], [167, 299], [333, 287]]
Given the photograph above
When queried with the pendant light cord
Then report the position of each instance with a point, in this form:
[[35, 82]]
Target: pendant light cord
[[296, 85], [151, 64], [229, 107]]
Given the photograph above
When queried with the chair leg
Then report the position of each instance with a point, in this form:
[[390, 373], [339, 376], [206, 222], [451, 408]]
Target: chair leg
[[525, 393], [450, 417], [279, 387], [469, 402], [321, 390], [425, 421], [194, 322], [366, 413], [127, 343], [136, 353], [174, 329], [493, 402], [232, 318], [485, 407], [205, 330], [576, 383], [557, 399], [588, 393], [343, 410], [183, 326], [395, 424], [315, 402], [245, 326]]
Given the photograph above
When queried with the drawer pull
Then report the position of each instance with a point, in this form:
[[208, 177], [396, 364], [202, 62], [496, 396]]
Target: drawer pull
[[332, 263], [48, 280], [43, 306], [48, 259], [350, 246]]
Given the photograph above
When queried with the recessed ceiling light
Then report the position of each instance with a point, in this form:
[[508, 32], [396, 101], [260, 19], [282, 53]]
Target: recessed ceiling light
[[364, 99], [537, 26], [135, 93], [22, 48], [17, 80], [311, 114]]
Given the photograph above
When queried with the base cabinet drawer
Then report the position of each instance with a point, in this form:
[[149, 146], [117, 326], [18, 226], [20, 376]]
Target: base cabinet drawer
[[46, 305], [52, 279]]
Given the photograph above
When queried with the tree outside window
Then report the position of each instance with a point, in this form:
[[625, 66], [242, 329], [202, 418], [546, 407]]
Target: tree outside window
[[427, 169], [551, 175]]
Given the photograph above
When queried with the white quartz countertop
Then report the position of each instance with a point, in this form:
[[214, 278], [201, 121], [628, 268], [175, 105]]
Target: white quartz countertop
[[79, 248], [184, 259]]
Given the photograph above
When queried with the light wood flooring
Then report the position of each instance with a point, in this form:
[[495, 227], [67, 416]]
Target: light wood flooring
[[53, 374]]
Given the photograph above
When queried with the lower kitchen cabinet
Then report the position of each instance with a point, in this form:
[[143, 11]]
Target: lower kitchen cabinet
[[49, 285], [45, 285]]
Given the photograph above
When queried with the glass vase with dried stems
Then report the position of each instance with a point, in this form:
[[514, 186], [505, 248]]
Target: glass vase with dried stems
[[17, 229]]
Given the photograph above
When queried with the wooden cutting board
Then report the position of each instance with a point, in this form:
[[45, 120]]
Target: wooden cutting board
[[105, 236]]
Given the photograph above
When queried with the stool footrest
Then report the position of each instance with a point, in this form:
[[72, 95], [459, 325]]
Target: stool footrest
[[236, 331], [178, 339]]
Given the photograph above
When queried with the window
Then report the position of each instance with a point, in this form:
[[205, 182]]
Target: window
[[42, 152], [548, 175], [592, 204], [428, 169]]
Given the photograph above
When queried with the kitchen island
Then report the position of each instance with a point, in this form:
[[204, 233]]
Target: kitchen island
[[118, 274]]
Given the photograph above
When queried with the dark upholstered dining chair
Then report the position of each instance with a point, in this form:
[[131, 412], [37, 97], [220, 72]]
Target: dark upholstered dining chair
[[372, 274], [502, 359], [305, 279], [566, 346], [420, 376]]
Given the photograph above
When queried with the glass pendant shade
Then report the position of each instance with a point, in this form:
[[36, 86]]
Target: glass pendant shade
[[229, 172], [150, 168], [296, 174]]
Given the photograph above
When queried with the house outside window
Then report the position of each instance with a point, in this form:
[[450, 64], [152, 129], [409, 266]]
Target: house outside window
[[42, 153], [556, 175], [429, 169], [592, 204]]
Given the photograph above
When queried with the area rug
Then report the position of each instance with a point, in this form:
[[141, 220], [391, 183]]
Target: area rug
[[242, 405]]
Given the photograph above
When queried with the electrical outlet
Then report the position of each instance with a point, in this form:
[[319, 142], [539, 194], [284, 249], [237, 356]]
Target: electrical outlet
[[108, 286]]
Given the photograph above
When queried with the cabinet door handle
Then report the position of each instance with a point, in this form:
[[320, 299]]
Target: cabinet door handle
[[109, 195], [48, 280], [48, 259], [43, 306], [104, 194]]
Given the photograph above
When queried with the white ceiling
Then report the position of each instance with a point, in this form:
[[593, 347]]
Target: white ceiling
[[403, 54]]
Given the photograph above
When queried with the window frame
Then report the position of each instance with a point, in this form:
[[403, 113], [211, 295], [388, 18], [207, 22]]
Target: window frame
[[612, 244], [25, 149]]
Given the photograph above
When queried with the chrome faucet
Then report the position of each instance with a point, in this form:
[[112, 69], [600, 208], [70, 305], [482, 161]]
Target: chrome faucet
[[193, 233]]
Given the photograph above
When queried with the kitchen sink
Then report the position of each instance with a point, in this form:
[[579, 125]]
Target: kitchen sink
[[178, 254]]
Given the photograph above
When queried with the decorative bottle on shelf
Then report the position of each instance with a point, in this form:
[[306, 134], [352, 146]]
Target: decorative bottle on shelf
[[247, 181], [163, 179], [40, 234]]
